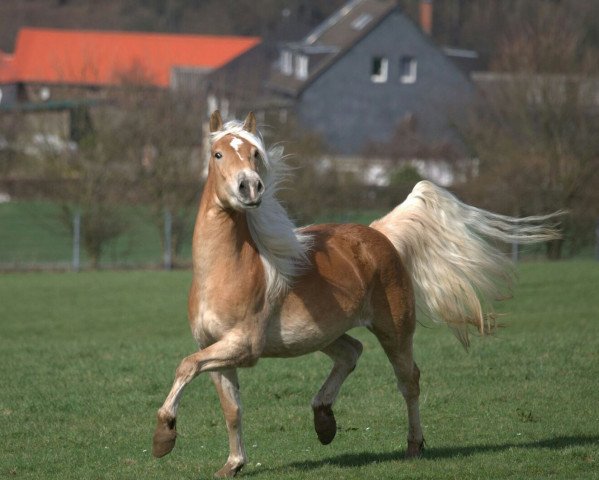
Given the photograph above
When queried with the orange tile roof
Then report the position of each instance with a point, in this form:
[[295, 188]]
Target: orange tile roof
[[7, 68], [107, 58]]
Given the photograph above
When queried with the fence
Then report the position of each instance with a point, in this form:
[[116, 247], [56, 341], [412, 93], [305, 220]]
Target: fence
[[39, 236]]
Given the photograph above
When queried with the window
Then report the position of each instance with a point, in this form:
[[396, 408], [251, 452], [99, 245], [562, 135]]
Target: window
[[360, 22], [407, 69], [379, 70], [286, 62], [301, 67]]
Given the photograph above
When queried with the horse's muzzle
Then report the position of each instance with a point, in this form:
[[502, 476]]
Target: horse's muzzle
[[249, 189]]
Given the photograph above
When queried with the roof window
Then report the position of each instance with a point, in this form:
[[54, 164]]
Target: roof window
[[360, 22]]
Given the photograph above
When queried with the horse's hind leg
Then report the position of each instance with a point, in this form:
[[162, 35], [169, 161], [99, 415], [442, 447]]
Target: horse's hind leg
[[227, 386], [395, 336], [344, 352]]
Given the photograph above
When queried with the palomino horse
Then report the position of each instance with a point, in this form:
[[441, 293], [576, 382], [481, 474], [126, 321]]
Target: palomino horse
[[262, 288]]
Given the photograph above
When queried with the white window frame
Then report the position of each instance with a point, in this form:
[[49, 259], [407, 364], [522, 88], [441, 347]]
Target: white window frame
[[383, 73], [286, 62], [411, 74], [301, 66]]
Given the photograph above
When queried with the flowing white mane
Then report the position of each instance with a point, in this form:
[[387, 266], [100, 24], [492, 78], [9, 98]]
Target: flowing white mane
[[282, 248]]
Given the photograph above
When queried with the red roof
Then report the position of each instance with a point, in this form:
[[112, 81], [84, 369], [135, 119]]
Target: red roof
[[107, 58], [7, 68]]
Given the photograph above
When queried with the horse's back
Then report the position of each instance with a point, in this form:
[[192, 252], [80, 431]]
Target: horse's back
[[354, 273]]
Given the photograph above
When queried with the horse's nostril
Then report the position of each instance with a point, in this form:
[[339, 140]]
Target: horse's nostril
[[260, 186], [242, 186]]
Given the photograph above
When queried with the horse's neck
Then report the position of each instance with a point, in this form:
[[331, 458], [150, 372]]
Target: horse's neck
[[221, 239]]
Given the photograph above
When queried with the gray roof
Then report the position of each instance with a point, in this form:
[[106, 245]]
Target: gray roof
[[330, 40]]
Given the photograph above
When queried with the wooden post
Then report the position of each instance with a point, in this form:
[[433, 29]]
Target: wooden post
[[76, 262], [168, 239]]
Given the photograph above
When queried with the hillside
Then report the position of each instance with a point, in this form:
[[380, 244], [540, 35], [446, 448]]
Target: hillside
[[482, 26], [267, 18]]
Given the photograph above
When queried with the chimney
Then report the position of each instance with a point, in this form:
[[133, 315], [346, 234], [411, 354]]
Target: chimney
[[426, 16]]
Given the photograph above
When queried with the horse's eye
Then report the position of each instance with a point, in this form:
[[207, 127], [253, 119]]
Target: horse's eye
[[218, 155]]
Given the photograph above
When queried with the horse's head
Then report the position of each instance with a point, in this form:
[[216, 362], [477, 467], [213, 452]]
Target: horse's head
[[236, 159]]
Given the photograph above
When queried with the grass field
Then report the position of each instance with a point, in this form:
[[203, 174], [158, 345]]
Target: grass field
[[86, 359], [32, 235]]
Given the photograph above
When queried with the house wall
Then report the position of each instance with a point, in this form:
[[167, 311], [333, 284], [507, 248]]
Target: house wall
[[349, 109], [8, 95]]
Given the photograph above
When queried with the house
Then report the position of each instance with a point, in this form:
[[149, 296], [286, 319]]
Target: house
[[368, 70], [51, 64], [56, 76], [46, 59]]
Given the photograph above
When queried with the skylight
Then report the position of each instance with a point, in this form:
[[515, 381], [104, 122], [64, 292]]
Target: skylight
[[360, 22], [332, 20]]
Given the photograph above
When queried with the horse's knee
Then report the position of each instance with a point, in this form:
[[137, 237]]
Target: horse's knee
[[187, 369], [408, 379], [247, 356], [416, 377], [357, 347], [353, 352], [415, 383]]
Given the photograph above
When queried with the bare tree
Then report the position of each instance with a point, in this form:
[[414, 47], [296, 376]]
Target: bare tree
[[535, 131], [164, 135], [88, 177]]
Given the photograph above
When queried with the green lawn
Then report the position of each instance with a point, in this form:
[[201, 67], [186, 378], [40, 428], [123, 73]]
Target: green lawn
[[32, 234], [88, 358]]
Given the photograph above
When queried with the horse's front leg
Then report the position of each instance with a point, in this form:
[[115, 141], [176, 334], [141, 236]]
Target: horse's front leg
[[227, 386], [225, 354]]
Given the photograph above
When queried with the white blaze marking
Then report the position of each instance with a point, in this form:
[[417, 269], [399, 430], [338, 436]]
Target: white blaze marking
[[236, 143]]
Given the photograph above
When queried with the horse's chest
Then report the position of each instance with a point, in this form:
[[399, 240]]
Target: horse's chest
[[207, 326], [220, 311]]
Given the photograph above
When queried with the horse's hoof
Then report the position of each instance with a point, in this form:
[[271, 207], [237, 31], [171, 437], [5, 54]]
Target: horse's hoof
[[415, 449], [164, 436], [325, 424], [229, 470]]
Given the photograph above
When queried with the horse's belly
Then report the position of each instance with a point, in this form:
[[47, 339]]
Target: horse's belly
[[294, 333]]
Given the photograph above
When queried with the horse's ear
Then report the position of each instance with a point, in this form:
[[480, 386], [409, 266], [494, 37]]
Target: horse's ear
[[250, 123], [216, 122]]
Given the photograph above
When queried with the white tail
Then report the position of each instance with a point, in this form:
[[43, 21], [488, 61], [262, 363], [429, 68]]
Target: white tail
[[445, 244]]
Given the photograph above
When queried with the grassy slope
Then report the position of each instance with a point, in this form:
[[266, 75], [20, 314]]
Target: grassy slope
[[31, 233], [87, 359]]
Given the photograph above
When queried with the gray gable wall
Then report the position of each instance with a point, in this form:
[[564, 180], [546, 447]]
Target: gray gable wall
[[349, 110]]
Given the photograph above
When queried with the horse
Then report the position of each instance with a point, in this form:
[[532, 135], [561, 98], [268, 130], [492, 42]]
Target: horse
[[263, 288]]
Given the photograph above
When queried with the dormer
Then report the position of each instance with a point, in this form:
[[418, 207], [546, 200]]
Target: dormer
[[294, 62], [301, 66], [286, 62]]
